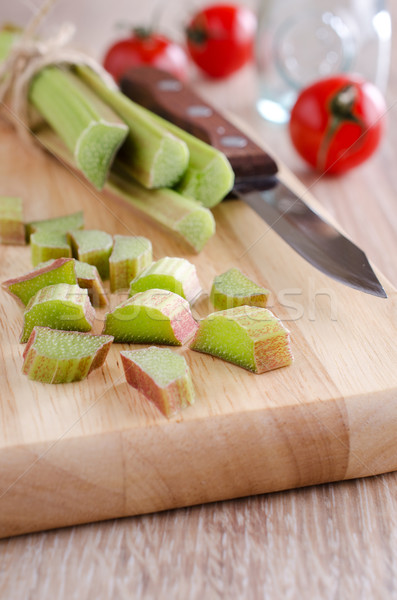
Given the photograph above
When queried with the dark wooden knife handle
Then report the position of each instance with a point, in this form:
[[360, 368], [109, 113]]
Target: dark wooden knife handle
[[161, 93]]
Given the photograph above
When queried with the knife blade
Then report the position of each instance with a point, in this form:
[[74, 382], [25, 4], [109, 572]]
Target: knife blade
[[256, 179]]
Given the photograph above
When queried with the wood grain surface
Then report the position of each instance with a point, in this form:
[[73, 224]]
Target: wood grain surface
[[94, 450], [331, 541]]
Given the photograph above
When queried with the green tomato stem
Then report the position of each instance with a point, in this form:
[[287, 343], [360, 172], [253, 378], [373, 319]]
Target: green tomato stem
[[341, 107]]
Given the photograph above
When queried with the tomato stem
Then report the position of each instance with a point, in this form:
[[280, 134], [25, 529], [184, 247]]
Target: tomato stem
[[142, 32], [197, 35], [341, 107]]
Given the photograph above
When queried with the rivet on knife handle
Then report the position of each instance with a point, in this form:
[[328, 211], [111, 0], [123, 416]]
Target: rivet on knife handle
[[160, 92]]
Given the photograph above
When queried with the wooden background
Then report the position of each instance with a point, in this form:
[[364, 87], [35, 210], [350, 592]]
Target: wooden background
[[327, 542]]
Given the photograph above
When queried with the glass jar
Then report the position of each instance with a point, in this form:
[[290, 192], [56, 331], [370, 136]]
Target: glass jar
[[300, 41]]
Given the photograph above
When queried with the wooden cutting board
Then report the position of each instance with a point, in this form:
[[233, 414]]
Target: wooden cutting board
[[97, 449]]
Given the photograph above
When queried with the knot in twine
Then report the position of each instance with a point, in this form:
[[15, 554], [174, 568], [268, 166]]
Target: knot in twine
[[26, 58]]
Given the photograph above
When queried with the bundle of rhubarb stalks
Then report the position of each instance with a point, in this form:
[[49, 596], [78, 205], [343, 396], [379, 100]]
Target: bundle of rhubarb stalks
[[126, 150]]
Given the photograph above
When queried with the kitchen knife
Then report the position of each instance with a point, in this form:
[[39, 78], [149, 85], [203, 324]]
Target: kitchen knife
[[256, 180]]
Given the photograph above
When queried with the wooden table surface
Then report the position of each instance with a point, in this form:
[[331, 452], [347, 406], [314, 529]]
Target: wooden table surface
[[327, 542]]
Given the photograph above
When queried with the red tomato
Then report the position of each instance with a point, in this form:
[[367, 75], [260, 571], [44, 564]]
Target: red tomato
[[146, 47], [220, 38], [337, 123]]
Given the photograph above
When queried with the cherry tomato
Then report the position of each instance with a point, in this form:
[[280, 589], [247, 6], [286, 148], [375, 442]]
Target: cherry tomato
[[337, 123], [149, 48], [220, 38]]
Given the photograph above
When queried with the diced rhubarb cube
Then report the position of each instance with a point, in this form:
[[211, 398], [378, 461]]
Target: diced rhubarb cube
[[162, 376], [248, 336], [152, 317], [54, 356]]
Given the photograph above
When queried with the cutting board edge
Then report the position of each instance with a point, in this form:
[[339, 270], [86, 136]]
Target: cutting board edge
[[121, 476], [10, 533]]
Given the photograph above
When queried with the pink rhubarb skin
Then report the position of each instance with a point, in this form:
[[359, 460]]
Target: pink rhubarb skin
[[167, 401], [34, 274], [272, 348], [170, 399], [273, 353], [178, 311]]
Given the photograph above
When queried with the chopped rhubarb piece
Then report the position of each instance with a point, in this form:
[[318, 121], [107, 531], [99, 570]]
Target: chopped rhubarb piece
[[93, 247], [46, 245], [233, 288], [130, 256], [89, 278], [60, 306], [58, 224], [12, 229], [175, 274], [248, 336], [162, 376], [60, 270], [54, 356], [153, 316]]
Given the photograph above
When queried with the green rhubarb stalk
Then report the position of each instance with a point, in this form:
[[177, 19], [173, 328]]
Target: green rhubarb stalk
[[88, 127], [179, 215], [154, 156], [209, 176]]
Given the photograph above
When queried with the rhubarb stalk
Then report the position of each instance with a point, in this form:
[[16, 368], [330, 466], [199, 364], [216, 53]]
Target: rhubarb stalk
[[88, 127]]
